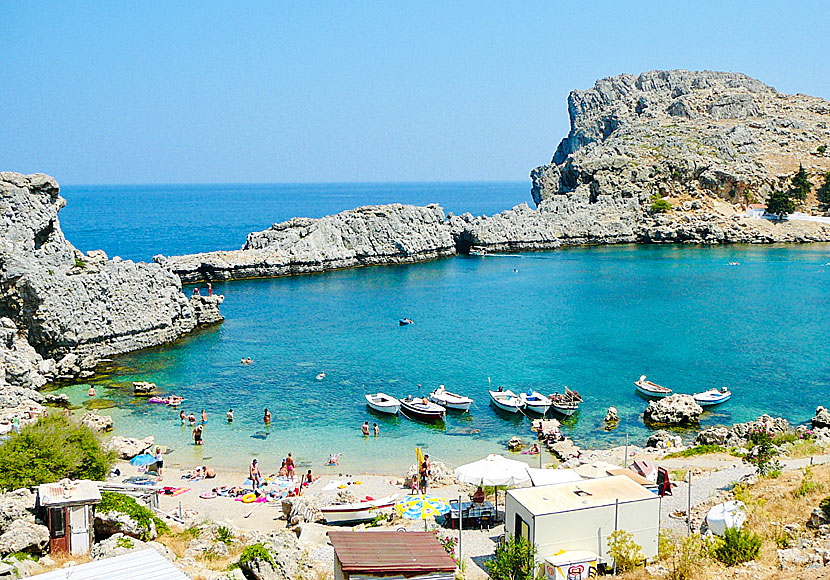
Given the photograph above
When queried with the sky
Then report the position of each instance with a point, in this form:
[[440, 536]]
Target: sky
[[221, 92]]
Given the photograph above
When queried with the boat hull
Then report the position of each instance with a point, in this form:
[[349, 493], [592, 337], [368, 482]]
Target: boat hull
[[646, 392], [390, 408], [496, 401], [451, 403], [712, 402], [421, 414], [353, 513], [566, 411]]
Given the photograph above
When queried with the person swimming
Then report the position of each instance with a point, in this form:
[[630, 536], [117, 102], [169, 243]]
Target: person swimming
[[334, 459]]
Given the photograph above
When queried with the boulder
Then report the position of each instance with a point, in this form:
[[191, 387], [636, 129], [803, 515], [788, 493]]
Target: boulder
[[712, 436], [439, 474], [109, 523], [822, 418], [304, 509], [59, 399], [96, 422], [564, 449], [663, 440], [119, 544], [286, 554], [739, 432], [675, 409], [143, 388], [16, 505], [515, 444], [611, 416], [129, 447], [24, 536]]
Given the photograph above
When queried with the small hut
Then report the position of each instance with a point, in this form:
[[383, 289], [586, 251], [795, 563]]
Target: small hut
[[385, 554], [67, 507]]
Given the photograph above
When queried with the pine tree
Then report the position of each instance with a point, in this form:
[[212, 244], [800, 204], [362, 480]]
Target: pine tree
[[824, 191], [801, 186], [780, 203]]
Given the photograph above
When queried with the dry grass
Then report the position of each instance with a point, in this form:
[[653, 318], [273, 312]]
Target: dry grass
[[62, 558]]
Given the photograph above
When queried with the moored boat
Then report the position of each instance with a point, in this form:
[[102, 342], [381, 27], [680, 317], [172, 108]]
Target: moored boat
[[506, 401], [421, 408], [651, 390], [383, 403], [353, 513], [478, 251], [712, 397], [450, 400], [566, 403], [535, 402]]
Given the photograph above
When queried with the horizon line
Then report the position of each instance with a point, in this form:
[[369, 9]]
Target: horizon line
[[391, 182]]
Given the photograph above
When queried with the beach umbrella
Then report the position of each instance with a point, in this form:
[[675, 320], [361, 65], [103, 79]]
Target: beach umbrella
[[143, 459], [494, 470], [422, 507], [595, 469]]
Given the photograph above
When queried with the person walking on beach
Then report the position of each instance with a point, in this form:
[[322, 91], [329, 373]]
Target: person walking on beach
[[422, 477], [289, 465], [159, 461], [230, 415], [254, 474], [197, 435], [267, 417], [365, 428], [376, 429]]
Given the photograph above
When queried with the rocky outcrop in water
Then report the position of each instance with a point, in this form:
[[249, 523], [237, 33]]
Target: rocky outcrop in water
[[59, 304], [677, 409], [366, 236]]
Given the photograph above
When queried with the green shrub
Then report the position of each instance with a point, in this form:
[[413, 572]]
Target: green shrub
[[762, 454], [80, 263], [780, 203], [123, 504], [225, 535], [514, 560], [807, 484], [821, 149], [783, 438], [683, 556], [52, 449], [659, 205], [697, 450], [256, 551], [626, 553], [825, 506], [124, 542], [737, 546], [823, 192]]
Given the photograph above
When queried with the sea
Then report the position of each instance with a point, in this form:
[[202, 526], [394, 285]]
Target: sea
[[753, 318]]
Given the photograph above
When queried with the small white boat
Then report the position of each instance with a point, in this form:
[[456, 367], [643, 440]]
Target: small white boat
[[321, 376], [712, 397], [352, 513], [506, 401], [450, 400], [478, 251], [383, 403], [651, 390], [535, 401]]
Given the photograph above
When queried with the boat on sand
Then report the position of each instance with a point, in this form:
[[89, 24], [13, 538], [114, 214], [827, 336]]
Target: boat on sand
[[383, 403], [361, 511], [535, 401], [651, 390], [506, 401], [450, 400], [712, 397], [421, 408]]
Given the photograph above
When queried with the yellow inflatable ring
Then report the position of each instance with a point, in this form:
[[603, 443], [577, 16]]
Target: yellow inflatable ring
[[249, 498]]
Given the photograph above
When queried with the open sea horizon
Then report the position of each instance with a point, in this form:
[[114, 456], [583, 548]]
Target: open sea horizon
[[590, 318]]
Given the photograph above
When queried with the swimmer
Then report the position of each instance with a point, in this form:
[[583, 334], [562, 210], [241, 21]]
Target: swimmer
[[191, 419], [230, 415], [334, 459], [249, 361], [91, 391], [365, 428]]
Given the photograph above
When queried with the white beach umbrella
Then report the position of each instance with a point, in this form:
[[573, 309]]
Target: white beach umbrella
[[494, 470]]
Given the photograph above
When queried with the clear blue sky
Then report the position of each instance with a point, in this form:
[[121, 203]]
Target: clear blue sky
[[352, 91]]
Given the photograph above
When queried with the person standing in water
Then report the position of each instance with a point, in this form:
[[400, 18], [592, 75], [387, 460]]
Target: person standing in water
[[376, 429], [230, 415], [365, 428], [267, 416], [204, 416]]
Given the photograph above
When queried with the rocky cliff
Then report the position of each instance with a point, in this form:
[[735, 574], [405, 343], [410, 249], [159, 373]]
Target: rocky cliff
[[716, 140], [57, 303], [383, 234]]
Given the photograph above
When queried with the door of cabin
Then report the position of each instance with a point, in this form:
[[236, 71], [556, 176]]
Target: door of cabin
[[58, 530], [79, 530]]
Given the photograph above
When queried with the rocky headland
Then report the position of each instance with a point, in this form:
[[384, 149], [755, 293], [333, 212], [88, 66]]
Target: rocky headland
[[61, 310], [707, 143]]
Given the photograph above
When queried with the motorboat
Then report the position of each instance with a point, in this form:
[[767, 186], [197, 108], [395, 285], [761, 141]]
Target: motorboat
[[450, 400], [566, 403], [506, 401], [535, 401], [361, 511], [321, 376], [478, 251], [651, 390], [421, 408], [405, 321], [383, 403], [712, 397]]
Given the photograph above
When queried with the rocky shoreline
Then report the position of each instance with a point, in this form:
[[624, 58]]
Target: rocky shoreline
[[708, 144]]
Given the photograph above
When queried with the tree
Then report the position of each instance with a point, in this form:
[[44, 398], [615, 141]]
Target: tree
[[515, 559], [52, 449], [824, 191], [780, 203], [659, 205], [801, 186]]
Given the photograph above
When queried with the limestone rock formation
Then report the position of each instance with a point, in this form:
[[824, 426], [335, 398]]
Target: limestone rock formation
[[129, 447], [119, 544], [693, 137], [737, 435], [109, 523], [822, 418], [99, 423], [24, 536], [366, 236], [675, 409], [663, 440], [16, 505], [287, 559]]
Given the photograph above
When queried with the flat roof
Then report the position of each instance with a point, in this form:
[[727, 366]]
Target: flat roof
[[141, 565], [384, 551], [563, 497], [68, 492]]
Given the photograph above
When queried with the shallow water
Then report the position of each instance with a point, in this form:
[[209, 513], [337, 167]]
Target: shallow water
[[593, 319]]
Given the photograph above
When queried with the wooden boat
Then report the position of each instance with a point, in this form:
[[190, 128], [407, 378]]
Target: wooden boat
[[506, 401], [421, 408], [535, 401], [352, 513], [651, 390], [383, 403], [566, 403], [450, 400], [712, 397]]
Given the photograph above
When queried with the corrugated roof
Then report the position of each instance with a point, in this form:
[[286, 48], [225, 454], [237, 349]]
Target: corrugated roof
[[143, 565], [562, 497], [80, 491], [390, 552]]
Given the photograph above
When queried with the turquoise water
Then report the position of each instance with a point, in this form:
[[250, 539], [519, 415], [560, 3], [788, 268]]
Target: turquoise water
[[593, 319]]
